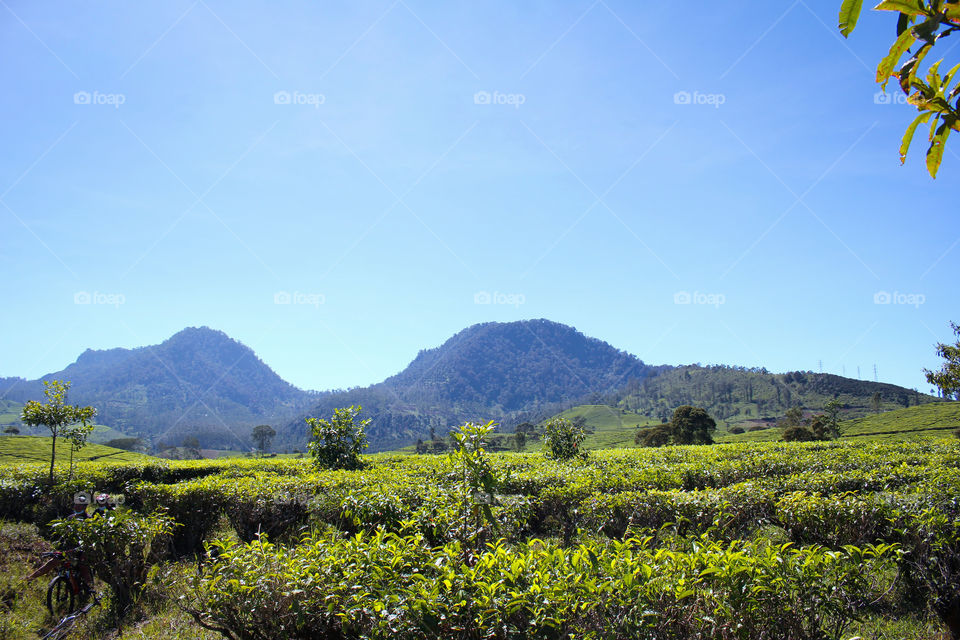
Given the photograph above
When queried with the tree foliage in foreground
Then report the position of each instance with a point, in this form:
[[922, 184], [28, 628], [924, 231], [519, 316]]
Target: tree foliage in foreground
[[921, 25], [947, 379]]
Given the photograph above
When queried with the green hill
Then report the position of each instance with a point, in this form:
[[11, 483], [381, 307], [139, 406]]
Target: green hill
[[609, 427], [744, 397], [928, 421], [10, 414], [15, 449], [938, 419]]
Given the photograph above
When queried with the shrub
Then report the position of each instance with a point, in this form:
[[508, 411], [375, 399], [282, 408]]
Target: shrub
[[385, 585], [736, 430], [798, 434], [563, 439], [655, 437], [337, 443], [195, 506], [123, 546]]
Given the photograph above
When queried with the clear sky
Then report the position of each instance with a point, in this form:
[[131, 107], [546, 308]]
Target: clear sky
[[339, 185]]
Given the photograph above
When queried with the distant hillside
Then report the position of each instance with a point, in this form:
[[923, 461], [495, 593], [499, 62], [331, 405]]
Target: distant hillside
[[736, 394], [198, 383], [933, 421], [492, 371]]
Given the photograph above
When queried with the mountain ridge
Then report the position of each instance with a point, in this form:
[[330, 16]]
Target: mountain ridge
[[202, 383]]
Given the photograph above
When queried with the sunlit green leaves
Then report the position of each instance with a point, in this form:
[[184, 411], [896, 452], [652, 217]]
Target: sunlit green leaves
[[849, 15], [934, 96]]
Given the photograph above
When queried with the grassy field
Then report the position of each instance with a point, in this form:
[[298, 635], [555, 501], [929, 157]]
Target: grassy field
[[9, 413], [609, 426], [37, 449], [926, 422], [613, 427]]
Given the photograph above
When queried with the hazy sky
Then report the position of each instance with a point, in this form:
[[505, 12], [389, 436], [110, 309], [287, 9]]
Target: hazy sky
[[341, 185]]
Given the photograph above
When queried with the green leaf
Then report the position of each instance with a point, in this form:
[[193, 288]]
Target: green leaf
[[908, 136], [909, 7], [908, 70], [903, 23], [937, 144], [886, 66], [849, 14], [926, 29]]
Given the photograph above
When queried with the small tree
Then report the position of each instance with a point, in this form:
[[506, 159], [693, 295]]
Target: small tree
[[692, 425], [832, 418], [947, 379], [55, 414], [520, 440], [875, 401], [474, 484], [563, 439], [77, 434], [192, 446], [792, 418], [263, 435], [337, 443], [12, 430]]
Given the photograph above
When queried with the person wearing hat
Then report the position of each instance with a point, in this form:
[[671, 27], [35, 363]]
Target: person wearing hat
[[104, 504], [80, 502]]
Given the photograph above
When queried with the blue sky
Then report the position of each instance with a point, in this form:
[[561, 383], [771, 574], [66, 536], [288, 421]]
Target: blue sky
[[341, 185]]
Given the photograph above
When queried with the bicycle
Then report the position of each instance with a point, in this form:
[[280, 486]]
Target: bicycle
[[66, 623], [67, 590]]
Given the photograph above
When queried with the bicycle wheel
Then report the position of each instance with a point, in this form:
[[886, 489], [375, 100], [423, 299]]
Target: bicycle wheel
[[60, 597]]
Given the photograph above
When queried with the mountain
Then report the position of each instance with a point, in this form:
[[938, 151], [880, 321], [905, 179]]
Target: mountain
[[199, 382], [506, 372]]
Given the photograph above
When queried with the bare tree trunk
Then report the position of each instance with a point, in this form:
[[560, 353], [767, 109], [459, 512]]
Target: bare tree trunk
[[53, 454]]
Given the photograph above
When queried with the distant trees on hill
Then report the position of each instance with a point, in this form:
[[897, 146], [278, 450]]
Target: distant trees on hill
[[737, 392], [688, 425]]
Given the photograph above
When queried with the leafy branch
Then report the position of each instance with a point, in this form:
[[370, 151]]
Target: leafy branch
[[920, 26]]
